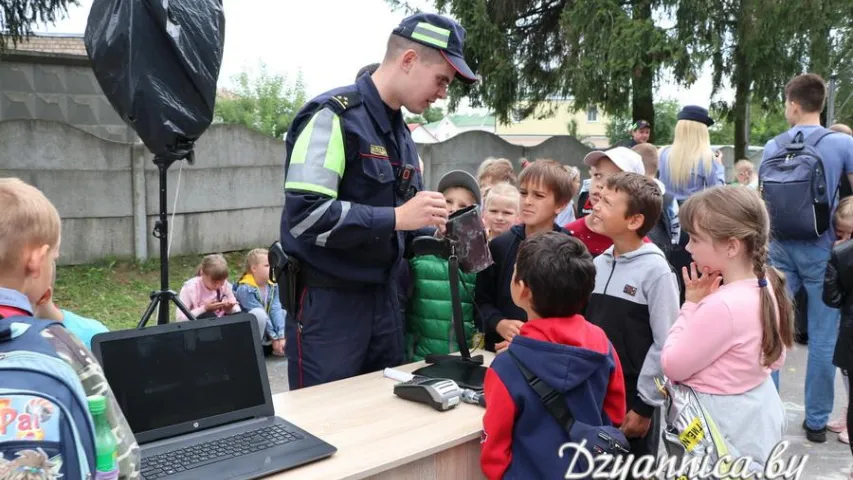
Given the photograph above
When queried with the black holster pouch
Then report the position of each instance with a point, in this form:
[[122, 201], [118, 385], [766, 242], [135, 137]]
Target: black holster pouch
[[284, 270]]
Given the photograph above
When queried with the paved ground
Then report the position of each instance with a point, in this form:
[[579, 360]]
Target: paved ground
[[828, 461]]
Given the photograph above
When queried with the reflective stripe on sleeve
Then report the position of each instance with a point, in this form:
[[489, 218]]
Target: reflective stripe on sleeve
[[318, 159]]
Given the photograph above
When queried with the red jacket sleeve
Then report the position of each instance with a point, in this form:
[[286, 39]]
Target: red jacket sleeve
[[614, 402], [496, 451]]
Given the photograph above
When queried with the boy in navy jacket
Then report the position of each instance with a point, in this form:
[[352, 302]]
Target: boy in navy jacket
[[553, 279]]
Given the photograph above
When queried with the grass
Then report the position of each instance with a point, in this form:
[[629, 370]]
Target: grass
[[116, 292]]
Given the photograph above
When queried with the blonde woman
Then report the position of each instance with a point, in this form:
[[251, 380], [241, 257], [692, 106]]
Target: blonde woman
[[689, 165]]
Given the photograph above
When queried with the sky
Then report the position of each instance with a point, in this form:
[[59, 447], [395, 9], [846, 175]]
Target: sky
[[327, 40]]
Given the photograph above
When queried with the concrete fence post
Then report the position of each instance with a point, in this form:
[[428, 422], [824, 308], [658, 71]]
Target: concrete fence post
[[140, 222]]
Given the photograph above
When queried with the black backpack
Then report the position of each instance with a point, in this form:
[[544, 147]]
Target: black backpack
[[793, 184]]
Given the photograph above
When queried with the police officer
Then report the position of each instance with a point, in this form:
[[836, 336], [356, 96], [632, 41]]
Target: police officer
[[353, 194]]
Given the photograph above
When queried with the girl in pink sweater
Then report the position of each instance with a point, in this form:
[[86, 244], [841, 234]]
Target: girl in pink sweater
[[736, 321], [209, 294]]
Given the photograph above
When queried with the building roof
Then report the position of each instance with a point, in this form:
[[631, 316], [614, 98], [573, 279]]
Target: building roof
[[56, 44], [472, 120]]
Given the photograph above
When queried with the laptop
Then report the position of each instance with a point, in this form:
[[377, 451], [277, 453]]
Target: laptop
[[197, 398]]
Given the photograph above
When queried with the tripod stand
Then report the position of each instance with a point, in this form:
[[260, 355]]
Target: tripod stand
[[163, 296]]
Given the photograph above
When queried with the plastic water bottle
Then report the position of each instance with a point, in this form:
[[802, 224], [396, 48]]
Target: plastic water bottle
[[106, 445]]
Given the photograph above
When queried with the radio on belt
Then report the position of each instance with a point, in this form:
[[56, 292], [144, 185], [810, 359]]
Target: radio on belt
[[439, 393]]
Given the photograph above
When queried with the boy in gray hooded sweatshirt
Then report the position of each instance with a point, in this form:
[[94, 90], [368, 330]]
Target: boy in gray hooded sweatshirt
[[636, 299]]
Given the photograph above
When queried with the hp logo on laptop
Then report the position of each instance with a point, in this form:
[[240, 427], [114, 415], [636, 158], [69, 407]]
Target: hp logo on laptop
[[195, 424]]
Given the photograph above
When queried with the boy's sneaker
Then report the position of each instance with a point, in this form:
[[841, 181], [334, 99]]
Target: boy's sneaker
[[815, 436], [843, 437], [839, 424]]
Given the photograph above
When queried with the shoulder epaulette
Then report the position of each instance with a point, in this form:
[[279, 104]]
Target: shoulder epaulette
[[345, 101]]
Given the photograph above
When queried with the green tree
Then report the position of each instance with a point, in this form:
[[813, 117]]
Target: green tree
[[765, 123], [663, 126], [666, 116], [841, 64], [431, 114], [18, 16], [262, 101], [599, 52], [760, 44], [619, 128]]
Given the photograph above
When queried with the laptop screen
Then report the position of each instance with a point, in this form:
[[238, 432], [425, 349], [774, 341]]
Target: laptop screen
[[176, 376]]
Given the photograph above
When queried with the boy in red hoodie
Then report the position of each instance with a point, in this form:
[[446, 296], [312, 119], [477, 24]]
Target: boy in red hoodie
[[553, 279]]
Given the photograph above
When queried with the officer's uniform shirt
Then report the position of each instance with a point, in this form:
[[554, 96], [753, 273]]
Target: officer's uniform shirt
[[345, 151]]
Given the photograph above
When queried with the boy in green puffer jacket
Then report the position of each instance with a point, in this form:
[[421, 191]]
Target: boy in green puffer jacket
[[429, 322]]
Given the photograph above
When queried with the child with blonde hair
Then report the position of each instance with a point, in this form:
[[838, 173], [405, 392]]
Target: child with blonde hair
[[745, 174], [258, 295], [30, 237], [209, 294], [500, 209]]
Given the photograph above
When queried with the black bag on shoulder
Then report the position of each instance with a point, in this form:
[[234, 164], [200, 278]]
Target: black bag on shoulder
[[600, 439]]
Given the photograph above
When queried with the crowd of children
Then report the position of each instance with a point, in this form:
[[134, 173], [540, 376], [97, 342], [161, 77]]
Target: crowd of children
[[591, 305]]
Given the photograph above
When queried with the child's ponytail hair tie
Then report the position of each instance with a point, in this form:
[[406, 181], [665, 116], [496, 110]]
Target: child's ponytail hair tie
[[762, 282]]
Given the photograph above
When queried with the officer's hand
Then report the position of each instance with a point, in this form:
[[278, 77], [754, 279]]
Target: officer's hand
[[508, 328], [425, 209]]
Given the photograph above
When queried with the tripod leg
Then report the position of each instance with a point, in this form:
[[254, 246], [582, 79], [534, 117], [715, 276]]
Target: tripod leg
[[155, 299], [181, 306]]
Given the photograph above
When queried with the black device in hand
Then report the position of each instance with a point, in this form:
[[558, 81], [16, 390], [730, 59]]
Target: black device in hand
[[439, 393]]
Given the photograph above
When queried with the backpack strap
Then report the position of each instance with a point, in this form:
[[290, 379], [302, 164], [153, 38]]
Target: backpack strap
[[818, 135], [783, 140], [553, 401], [26, 330]]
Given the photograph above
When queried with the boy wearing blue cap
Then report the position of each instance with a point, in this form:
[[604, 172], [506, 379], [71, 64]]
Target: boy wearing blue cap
[[354, 194]]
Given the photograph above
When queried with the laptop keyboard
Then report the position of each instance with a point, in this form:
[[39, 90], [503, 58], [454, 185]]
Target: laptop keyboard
[[189, 458]]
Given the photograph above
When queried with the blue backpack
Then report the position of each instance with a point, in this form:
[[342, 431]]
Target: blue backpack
[[44, 416], [793, 184]]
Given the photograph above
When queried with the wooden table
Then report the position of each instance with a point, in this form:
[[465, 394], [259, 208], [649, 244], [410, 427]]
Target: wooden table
[[381, 436]]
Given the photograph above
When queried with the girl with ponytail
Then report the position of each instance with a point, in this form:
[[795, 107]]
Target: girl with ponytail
[[736, 322]]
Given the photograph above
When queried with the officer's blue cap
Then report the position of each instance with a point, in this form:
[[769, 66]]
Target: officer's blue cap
[[443, 34]]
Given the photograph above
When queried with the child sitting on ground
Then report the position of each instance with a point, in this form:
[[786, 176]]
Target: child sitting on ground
[[552, 280], [545, 191], [209, 293], [257, 295], [82, 327], [30, 233], [635, 300], [429, 324], [500, 209]]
